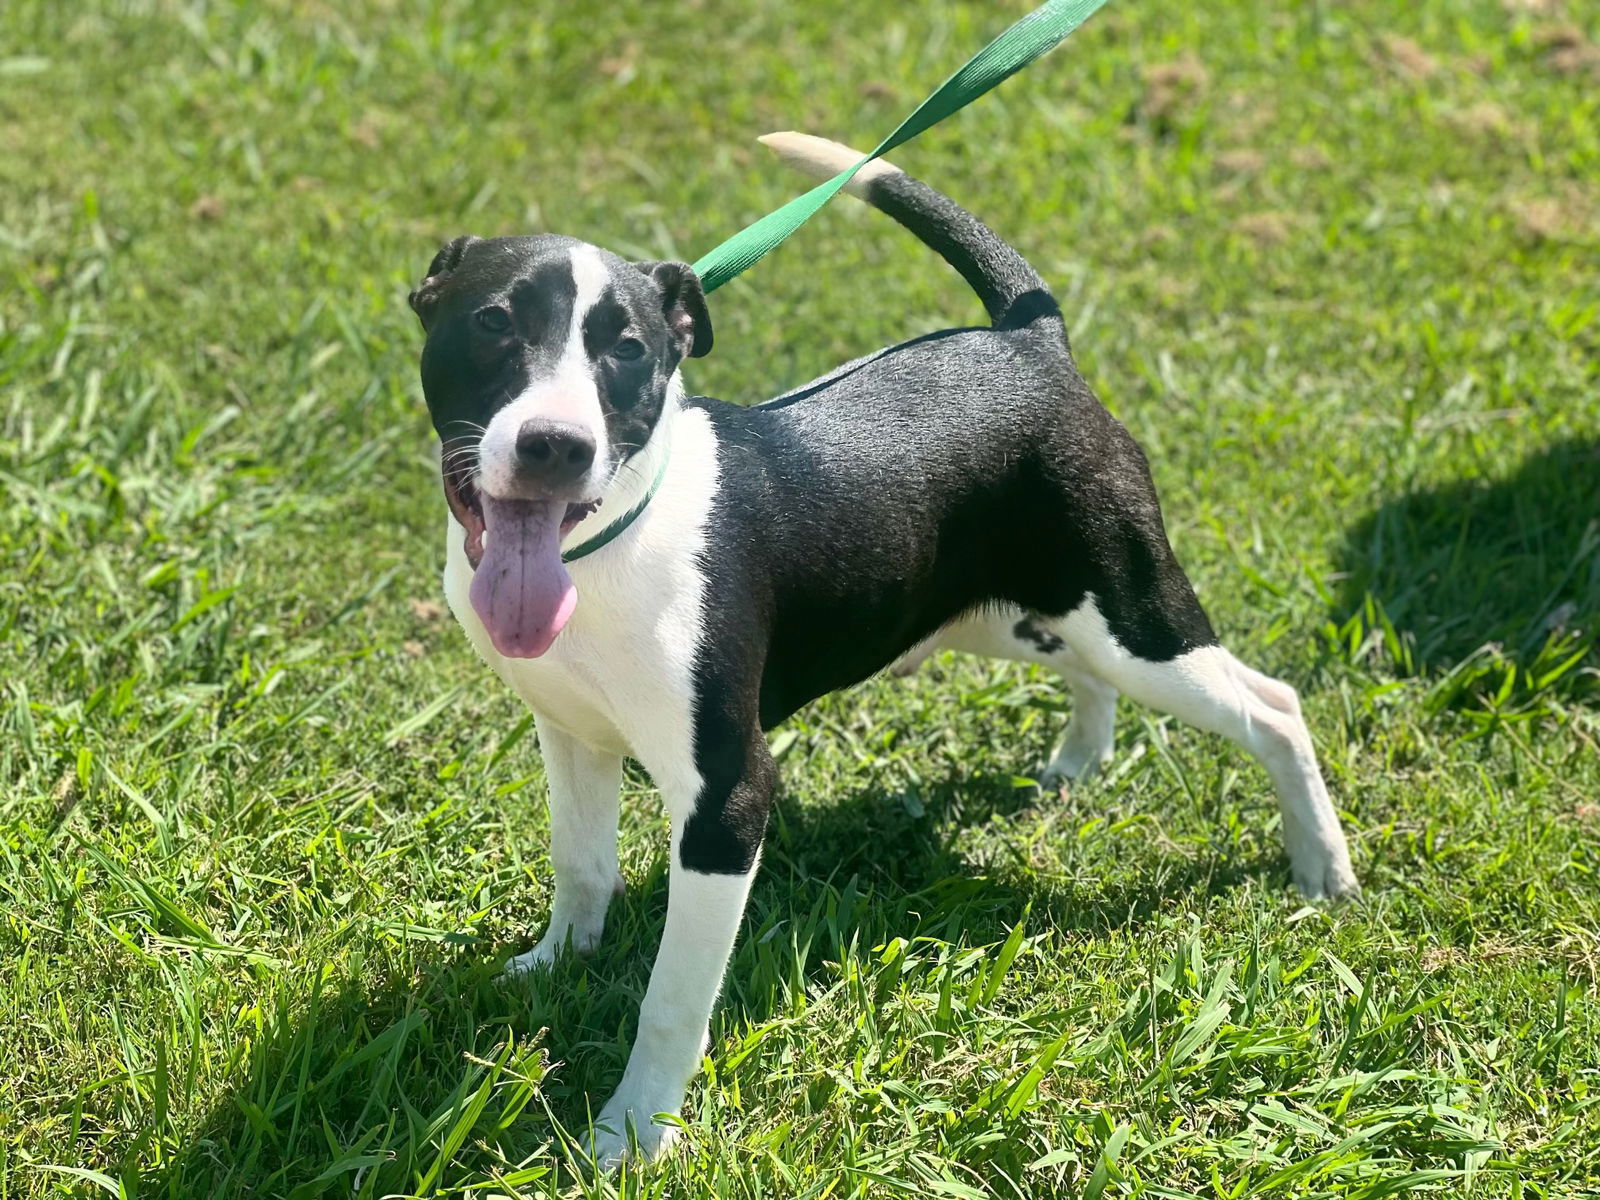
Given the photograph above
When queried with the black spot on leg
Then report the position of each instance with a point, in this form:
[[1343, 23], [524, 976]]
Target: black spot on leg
[[714, 847], [723, 834], [1029, 630]]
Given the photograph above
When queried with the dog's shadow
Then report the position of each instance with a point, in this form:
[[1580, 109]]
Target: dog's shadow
[[1479, 575], [335, 1081]]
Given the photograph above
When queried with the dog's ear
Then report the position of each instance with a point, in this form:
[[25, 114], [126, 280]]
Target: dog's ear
[[683, 301], [426, 294]]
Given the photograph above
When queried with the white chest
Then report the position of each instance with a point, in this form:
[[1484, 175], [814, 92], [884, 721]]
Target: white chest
[[620, 676]]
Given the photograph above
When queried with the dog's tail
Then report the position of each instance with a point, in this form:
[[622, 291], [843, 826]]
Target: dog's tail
[[1010, 289]]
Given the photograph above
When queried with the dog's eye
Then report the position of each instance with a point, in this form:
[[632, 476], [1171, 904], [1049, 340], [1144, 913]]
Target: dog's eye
[[628, 349], [495, 320]]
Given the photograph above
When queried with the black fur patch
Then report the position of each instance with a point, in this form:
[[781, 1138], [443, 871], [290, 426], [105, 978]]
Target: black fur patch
[[469, 372], [859, 517], [1030, 631]]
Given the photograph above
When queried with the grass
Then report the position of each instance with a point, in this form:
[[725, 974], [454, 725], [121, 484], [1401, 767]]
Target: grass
[[267, 828]]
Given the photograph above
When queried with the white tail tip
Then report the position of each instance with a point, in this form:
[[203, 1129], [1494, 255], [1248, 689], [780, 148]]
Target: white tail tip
[[822, 159]]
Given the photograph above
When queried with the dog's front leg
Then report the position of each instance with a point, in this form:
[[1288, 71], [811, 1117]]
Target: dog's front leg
[[584, 785], [716, 839]]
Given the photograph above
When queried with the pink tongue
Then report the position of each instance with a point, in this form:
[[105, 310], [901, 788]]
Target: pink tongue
[[521, 590]]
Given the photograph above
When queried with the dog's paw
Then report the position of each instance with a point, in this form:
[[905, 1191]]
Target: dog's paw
[[540, 958], [575, 926], [625, 1130], [908, 663], [1077, 760], [1330, 882], [551, 947], [1324, 873]]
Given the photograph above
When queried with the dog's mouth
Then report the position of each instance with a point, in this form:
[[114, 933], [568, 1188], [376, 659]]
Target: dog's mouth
[[520, 587], [466, 503]]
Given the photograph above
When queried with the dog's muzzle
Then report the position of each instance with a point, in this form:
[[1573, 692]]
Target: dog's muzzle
[[520, 587]]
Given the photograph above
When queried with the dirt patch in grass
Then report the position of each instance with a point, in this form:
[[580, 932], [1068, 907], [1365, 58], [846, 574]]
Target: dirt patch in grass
[[1264, 229], [1173, 88], [1406, 57], [1568, 50]]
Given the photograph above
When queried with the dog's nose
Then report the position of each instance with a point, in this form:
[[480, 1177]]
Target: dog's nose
[[553, 451]]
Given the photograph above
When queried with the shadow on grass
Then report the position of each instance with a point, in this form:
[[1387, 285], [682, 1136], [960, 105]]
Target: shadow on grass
[[1479, 576], [355, 1093]]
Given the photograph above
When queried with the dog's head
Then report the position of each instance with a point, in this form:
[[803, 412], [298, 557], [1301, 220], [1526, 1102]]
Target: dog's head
[[547, 366]]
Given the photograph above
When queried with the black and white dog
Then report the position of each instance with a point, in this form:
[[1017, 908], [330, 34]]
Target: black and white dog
[[962, 490]]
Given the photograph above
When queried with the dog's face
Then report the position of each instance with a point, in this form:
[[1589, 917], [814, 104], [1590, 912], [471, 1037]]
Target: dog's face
[[547, 362], [546, 367]]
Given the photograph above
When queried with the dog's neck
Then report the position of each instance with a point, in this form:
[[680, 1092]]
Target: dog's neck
[[636, 477]]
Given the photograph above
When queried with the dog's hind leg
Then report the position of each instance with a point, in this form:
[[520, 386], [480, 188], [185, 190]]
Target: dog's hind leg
[[1091, 732], [1209, 688], [1013, 634], [584, 787]]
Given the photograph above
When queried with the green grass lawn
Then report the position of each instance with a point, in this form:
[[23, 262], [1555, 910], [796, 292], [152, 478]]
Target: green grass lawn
[[267, 827]]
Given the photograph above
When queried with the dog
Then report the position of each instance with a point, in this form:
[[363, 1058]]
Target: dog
[[963, 490]]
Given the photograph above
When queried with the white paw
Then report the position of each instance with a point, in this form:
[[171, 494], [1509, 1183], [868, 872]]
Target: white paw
[[537, 959], [1078, 758], [1335, 881], [907, 666], [611, 1141], [551, 947], [1323, 872]]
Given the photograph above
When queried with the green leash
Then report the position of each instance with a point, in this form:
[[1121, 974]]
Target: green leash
[[1035, 35]]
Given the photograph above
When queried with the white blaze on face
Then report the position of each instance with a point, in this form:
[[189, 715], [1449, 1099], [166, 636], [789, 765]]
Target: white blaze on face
[[567, 394]]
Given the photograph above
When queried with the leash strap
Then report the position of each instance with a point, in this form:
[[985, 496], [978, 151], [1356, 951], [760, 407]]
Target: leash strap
[[1036, 34]]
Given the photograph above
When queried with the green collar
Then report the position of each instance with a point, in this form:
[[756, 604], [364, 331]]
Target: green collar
[[612, 531]]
